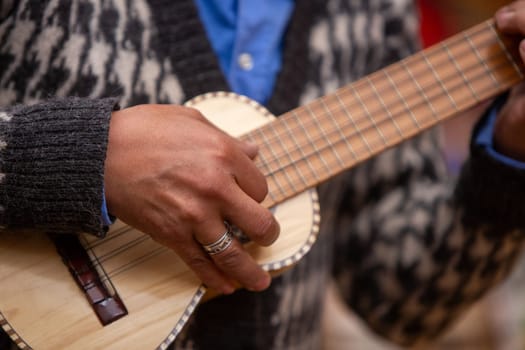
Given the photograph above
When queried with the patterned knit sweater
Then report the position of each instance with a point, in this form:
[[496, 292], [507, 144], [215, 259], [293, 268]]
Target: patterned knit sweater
[[409, 249]]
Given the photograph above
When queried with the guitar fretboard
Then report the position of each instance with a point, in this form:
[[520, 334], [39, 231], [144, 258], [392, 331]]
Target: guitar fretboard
[[312, 143]]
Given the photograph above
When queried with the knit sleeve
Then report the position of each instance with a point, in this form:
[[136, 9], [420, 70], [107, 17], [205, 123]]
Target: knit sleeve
[[52, 165]]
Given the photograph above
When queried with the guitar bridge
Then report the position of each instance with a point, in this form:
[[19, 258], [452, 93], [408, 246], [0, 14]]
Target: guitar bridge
[[92, 280]]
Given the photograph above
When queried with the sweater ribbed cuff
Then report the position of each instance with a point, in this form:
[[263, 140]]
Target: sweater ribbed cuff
[[52, 165]]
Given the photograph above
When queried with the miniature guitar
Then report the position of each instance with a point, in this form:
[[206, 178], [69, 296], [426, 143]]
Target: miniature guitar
[[127, 292]]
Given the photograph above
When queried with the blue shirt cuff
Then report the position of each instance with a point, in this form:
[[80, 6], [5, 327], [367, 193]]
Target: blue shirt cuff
[[106, 218], [484, 138]]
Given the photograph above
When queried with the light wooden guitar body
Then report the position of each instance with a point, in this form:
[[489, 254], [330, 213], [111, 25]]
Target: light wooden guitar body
[[42, 307]]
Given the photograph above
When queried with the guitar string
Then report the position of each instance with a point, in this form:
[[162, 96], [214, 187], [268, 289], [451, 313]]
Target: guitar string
[[122, 248], [342, 91], [105, 276], [366, 116], [136, 261], [353, 135], [365, 83], [362, 139], [360, 148], [104, 255], [392, 117], [96, 248]]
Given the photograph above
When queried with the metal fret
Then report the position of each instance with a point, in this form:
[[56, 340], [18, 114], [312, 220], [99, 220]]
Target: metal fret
[[405, 104], [506, 51], [278, 159], [324, 135], [460, 71], [354, 124], [443, 87], [313, 143], [420, 89], [338, 127], [365, 108], [481, 60], [424, 90], [385, 108], [300, 149]]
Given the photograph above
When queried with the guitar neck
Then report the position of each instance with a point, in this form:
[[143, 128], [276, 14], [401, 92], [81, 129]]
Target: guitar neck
[[314, 142]]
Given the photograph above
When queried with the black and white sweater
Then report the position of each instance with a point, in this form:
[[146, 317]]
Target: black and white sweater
[[409, 250]]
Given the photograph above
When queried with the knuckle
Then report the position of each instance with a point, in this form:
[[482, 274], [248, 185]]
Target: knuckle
[[229, 259], [212, 182], [266, 229], [166, 235], [193, 213], [197, 262], [212, 185], [224, 150]]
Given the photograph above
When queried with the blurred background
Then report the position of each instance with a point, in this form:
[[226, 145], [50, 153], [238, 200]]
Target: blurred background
[[498, 321]]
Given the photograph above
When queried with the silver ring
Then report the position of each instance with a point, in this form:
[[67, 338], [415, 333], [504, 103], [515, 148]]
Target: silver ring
[[221, 244]]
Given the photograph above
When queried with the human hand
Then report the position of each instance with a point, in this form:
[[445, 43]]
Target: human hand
[[509, 130], [176, 177]]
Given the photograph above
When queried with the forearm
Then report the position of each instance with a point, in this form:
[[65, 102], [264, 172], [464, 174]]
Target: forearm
[[52, 158]]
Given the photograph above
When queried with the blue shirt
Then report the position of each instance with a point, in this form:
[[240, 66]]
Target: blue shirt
[[247, 36]]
